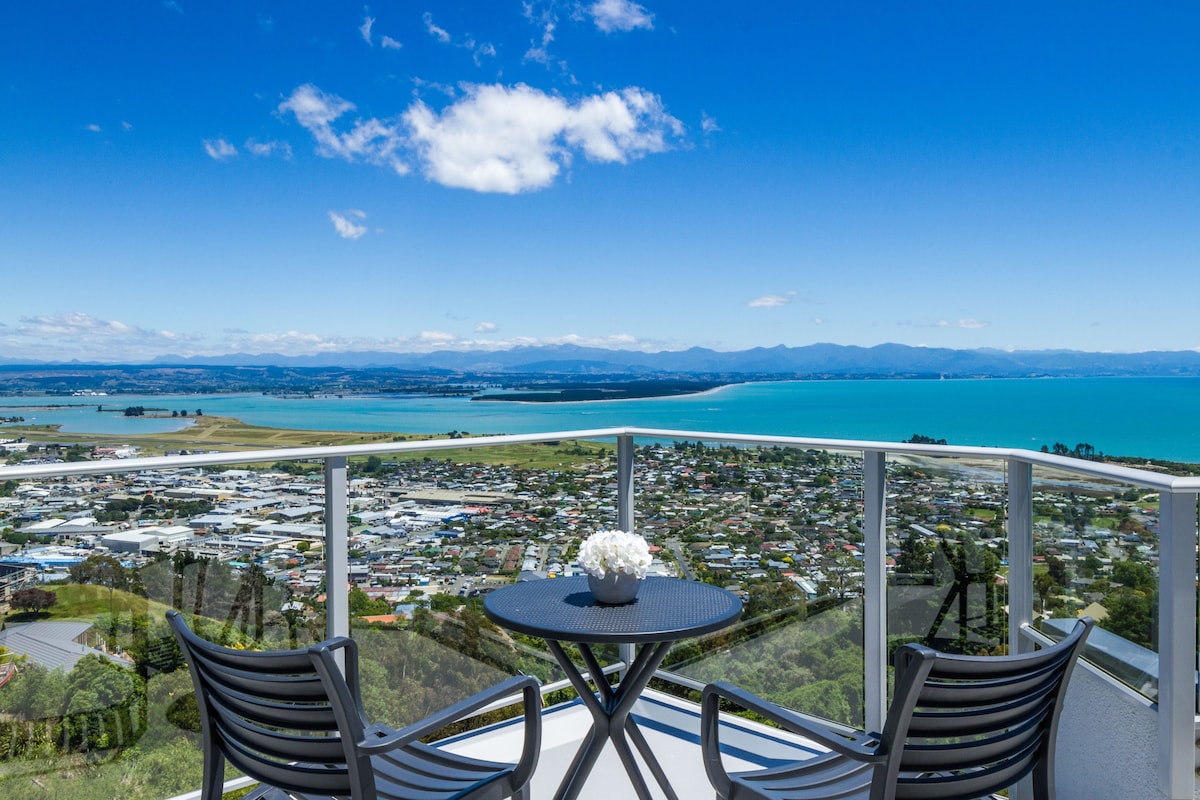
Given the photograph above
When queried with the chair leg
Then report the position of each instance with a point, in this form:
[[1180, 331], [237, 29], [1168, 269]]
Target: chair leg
[[1043, 782]]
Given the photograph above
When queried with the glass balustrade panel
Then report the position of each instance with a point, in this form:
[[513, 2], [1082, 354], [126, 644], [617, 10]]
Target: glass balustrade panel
[[782, 528], [1096, 551]]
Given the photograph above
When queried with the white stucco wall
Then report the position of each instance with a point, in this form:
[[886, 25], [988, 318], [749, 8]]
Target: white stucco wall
[[1107, 742]]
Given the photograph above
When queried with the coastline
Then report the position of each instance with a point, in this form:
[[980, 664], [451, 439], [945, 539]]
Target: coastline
[[604, 392], [1146, 418]]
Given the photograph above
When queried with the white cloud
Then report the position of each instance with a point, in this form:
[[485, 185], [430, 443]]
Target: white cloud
[[772, 300], [79, 335], [365, 29], [373, 141], [545, 17], [479, 51], [513, 139], [708, 124], [219, 149], [494, 138], [965, 324], [264, 149], [540, 53], [388, 43], [93, 127], [438, 33], [437, 338], [346, 227], [127, 126], [620, 15]]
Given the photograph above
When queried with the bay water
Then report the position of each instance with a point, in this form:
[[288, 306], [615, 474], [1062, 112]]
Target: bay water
[[1142, 417]]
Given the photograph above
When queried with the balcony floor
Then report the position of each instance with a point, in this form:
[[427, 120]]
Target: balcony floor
[[672, 729]]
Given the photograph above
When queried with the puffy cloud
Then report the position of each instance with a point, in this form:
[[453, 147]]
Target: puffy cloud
[[346, 227], [264, 149], [708, 124], [94, 128], [388, 43], [365, 29], [513, 139], [81, 336], [437, 338], [492, 138], [772, 300], [373, 141], [620, 15], [438, 33], [219, 149]]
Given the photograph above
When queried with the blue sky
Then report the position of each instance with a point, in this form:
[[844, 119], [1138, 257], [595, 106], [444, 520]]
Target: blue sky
[[189, 177]]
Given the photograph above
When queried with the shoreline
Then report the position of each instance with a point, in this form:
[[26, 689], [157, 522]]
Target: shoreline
[[1048, 413], [555, 393], [221, 433], [714, 390]]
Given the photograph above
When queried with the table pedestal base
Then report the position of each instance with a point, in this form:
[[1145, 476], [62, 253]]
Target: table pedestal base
[[611, 720]]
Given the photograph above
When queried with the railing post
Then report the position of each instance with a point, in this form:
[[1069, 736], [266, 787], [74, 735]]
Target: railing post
[[1019, 523], [625, 482], [1177, 644], [874, 589], [337, 549], [625, 517]]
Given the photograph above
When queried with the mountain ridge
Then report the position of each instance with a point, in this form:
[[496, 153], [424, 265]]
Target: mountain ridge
[[815, 360]]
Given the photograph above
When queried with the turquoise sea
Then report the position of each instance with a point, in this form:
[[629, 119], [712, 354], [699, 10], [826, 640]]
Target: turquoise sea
[[1145, 417]]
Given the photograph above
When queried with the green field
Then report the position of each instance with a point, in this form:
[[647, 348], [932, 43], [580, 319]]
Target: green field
[[227, 434]]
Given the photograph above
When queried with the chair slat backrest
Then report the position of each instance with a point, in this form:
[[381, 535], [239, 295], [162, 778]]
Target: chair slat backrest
[[286, 718], [961, 727]]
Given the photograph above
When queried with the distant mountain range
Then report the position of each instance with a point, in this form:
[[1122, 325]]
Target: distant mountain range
[[570, 363], [817, 360]]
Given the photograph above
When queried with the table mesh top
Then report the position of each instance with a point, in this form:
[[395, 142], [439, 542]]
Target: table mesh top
[[563, 609]]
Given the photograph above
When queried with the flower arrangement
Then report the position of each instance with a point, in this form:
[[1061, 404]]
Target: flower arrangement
[[616, 552]]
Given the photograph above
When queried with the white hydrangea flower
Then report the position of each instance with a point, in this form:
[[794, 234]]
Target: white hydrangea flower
[[615, 551]]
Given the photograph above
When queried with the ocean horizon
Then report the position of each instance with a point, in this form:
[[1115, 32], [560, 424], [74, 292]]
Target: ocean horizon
[[1136, 417]]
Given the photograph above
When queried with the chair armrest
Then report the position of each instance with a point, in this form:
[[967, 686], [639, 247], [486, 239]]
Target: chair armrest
[[863, 748], [380, 738]]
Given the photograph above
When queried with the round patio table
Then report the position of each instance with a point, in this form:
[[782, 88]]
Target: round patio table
[[563, 610]]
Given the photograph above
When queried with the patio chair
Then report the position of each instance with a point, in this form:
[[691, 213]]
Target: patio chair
[[959, 728], [290, 720]]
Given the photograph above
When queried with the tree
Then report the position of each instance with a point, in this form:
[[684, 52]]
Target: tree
[[916, 556], [104, 571], [1135, 575], [33, 599], [362, 605], [1130, 616], [1044, 586]]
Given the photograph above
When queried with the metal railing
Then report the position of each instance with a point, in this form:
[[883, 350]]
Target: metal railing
[[1177, 617]]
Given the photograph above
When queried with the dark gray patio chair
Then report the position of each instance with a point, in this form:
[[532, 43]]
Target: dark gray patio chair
[[959, 728], [291, 721]]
